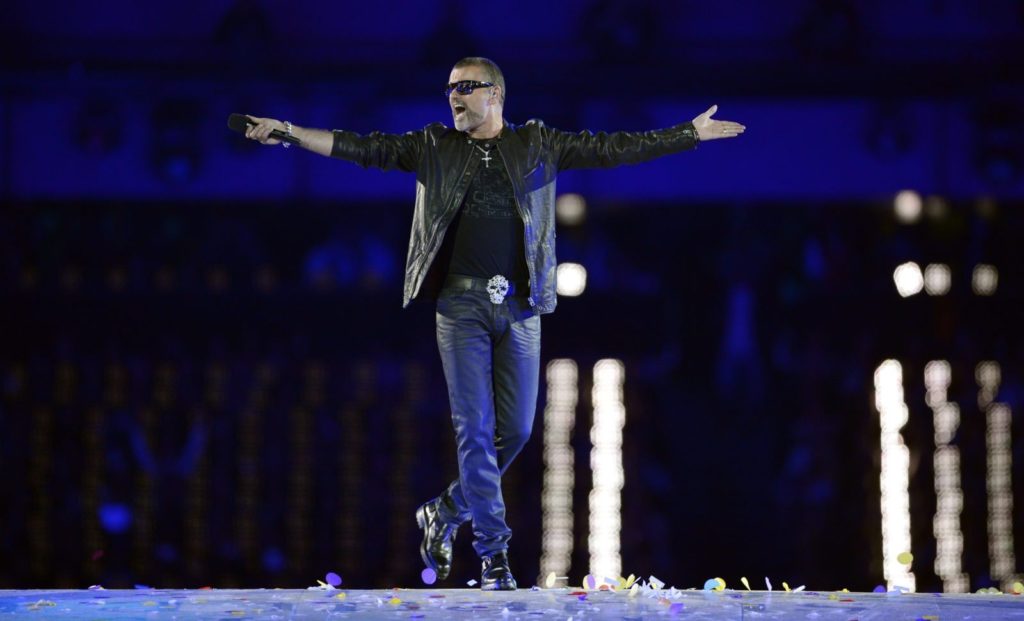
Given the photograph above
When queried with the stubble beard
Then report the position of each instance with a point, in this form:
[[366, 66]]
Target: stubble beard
[[467, 120]]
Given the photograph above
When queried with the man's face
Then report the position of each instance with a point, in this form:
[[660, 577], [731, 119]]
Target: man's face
[[471, 110]]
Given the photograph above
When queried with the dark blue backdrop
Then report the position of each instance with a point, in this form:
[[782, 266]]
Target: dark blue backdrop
[[207, 375]]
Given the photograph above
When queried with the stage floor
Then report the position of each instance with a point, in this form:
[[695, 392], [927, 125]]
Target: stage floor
[[562, 604]]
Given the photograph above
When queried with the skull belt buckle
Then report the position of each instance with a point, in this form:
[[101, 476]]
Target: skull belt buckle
[[497, 288]]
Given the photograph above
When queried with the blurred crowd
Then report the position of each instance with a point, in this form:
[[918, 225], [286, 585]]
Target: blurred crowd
[[230, 394]]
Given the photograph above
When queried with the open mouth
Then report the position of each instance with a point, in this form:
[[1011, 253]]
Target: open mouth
[[458, 109]]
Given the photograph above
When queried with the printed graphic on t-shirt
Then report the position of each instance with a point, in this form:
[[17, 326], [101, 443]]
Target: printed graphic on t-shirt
[[488, 236], [490, 194]]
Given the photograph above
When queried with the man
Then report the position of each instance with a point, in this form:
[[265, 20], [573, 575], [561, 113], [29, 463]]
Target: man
[[483, 245]]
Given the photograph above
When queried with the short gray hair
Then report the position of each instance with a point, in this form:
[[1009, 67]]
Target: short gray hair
[[490, 68]]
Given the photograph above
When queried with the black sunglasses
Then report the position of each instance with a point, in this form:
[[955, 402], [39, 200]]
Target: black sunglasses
[[464, 87]]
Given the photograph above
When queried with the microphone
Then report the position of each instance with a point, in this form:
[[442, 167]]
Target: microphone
[[240, 122]]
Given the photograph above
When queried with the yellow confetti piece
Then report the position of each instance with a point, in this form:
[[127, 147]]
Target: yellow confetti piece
[[845, 591], [39, 604], [745, 582], [149, 603], [833, 597], [322, 584], [930, 617], [905, 558], [630, 580], [238, 613], [549, 582], [1018, 588], [721, 584], [633, 590], [394, 601], [785, 586], [341, 595]]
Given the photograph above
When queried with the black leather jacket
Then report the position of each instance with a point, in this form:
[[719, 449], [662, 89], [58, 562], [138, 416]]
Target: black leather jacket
[[444, 162]]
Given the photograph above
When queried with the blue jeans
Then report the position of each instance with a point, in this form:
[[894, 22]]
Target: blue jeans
[[491, 358]]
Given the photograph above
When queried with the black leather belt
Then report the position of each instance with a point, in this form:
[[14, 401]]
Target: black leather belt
[[473, 283]]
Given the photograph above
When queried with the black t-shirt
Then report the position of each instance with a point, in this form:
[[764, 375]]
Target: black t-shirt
[[487, 236]]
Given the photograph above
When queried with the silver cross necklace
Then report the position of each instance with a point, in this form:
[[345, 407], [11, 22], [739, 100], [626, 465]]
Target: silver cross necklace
[[487, 155]]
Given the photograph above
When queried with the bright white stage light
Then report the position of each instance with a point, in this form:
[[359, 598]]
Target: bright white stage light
[[606, 468], [999, 484], [908, 279], [998, 478], [985, 279], [937, 279], [571, 279], [949, 537], [908, 206], [895, 474], [559, 462], [988, 376], [570, 209]]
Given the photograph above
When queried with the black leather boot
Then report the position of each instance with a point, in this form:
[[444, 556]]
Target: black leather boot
[[496, 576], [438, 535]]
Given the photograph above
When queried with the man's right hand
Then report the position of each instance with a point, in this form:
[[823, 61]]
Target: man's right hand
[[260, 132]]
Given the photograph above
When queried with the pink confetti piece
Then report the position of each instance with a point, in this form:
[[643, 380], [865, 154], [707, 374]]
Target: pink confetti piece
[[428, 576], [333, 579]]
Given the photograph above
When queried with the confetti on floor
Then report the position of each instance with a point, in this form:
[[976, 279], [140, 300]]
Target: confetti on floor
[[525, 604]]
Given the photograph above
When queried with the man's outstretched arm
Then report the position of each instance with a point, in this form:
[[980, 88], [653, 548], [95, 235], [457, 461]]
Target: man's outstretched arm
[[604, 150], [316, 140], [376, 149]]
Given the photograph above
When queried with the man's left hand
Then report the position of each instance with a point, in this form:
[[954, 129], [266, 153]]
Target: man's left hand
[[710, 129]]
